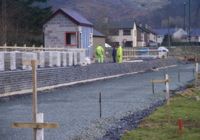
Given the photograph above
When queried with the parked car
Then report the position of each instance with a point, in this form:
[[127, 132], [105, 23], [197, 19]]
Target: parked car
[[162, 52], [152, 44]]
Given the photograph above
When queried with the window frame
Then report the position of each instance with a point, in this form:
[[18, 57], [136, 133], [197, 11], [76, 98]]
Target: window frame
[[125, 31], [71, 45]]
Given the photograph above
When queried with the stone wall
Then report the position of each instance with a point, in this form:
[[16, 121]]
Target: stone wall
[[19, 60], [12, 81]]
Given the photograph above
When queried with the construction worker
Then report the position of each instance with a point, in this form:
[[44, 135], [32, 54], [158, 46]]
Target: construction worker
[[119, 54], [100, 54]]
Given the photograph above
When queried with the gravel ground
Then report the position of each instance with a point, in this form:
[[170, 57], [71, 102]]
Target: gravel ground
[[125, 101]]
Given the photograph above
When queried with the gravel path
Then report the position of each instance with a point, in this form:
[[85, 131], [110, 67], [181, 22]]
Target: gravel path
[[76, 108]]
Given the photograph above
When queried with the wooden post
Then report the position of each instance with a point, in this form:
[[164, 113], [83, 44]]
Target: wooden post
[[33, 47], [34, 98], [179, 76], [196, 73], [15, 47], [5, 45], [193, 71], [167, 88], [40, 132], [100, 105], [153, 87], [38, 124]]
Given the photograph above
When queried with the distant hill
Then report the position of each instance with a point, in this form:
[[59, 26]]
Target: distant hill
[[153, 12]]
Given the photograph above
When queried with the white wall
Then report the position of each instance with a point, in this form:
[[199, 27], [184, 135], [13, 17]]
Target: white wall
[[120, 38]]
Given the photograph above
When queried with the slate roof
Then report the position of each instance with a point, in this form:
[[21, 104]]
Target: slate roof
[[165, 31], [123, 24], [128, 24], [195, 32], [74, 16], [97, 33]]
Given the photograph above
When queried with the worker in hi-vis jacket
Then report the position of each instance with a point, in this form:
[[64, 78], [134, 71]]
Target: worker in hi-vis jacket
[[100, 54], [119, 54]]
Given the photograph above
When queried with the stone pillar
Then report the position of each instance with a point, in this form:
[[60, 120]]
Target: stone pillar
[[55, 58], [10, 61], [2, 64], [19, 63], [63, 59], [41, 59], [52, 58], [47, 59], [82, 57], [27, 57], [70, 58], [79, 58], [75, 58], [23, 60]]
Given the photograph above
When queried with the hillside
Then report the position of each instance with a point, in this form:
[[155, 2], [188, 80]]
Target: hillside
[[153, 12], [99, 10]]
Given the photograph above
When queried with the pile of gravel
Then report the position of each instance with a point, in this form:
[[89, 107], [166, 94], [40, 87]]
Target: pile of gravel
[[113, 128]]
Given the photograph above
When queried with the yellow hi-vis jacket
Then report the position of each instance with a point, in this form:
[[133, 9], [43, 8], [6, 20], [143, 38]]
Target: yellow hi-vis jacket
[[119, 54], [99, 51]]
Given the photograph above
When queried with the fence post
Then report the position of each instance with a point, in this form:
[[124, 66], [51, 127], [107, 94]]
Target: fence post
[[196, 73], [5, 45], [179, 75], [15, 46], [34, 99], [167, 88], [193, 72], [25, 47], [100, 104], [153, 87], [33, 47], [40, 132]]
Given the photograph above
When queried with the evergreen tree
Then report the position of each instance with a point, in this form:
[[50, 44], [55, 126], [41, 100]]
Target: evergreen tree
[[22, 21]]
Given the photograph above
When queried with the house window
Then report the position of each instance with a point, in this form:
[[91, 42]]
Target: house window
[[126, 32], [114, 32], [129, 44], [116, 44], [91, 39], [71, 39]]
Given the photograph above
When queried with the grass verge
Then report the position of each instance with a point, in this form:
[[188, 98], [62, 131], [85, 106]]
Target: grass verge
[[163, 123]]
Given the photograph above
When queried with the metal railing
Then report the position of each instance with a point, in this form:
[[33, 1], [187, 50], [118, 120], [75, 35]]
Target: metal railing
[[39, 48], [131, 53]]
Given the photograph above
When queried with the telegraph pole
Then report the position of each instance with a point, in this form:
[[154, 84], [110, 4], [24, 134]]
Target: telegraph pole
[[189, 30], [4, 21], [184, 12], [169, 43]]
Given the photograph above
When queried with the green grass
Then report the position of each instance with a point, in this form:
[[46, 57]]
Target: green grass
[[162, 124]]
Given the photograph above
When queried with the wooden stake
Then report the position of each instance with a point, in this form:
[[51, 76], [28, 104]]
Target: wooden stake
[[34, 98], [193, 71], [38, 124], [167, 88], [40, 132], [196, 73], [100, 111], [179, 75], [153, 87]]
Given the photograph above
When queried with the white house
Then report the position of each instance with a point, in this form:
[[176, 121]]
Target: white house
[[180, 34], [195, 35], [130, 34]]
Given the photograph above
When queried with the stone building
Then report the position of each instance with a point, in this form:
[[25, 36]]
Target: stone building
[[67, 28], [98, 38]]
